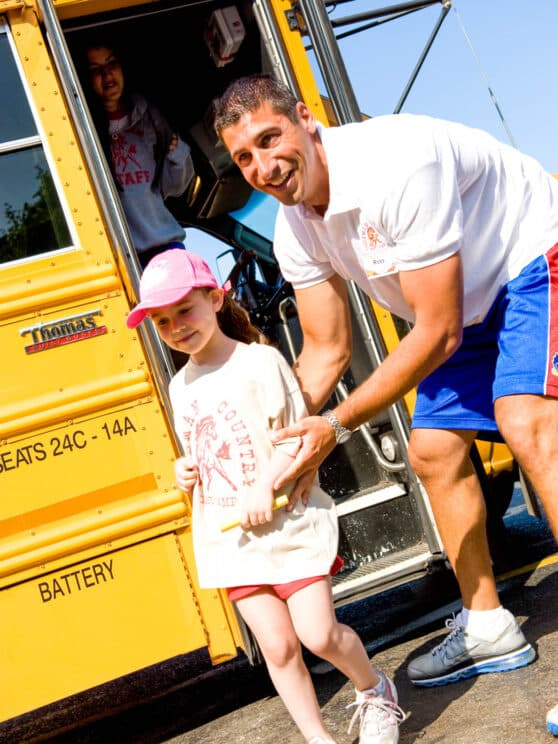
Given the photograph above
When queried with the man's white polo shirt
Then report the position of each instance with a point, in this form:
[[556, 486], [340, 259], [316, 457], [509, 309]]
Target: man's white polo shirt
[[408, 191]]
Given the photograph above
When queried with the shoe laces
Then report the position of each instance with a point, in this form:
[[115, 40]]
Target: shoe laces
[[376, 714], [455, 625]]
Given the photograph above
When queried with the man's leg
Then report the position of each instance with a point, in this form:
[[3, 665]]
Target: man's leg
[[441, 460], [484, 637], [526, 383], [529, 424]]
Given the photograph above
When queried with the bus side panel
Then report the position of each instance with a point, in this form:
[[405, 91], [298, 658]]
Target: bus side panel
[[95, 621]]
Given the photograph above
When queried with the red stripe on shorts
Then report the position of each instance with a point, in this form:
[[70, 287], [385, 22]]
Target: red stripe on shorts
[[551, 379]]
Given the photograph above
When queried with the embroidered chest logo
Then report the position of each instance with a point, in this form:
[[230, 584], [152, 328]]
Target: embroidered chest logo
[[370, 237], [375, 252]]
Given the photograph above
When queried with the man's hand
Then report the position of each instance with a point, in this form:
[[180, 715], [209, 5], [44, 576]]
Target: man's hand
[[185, 474], [318, 440]]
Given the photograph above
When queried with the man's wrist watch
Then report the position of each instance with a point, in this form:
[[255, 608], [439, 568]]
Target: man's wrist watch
[[342, 434]]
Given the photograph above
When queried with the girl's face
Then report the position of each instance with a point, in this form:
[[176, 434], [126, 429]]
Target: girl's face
[[107, 78], [191, 325]]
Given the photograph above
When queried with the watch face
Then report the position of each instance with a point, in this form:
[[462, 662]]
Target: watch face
[[343, 436]]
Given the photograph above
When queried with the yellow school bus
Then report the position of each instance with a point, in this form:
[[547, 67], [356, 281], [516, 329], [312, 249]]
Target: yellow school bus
[[97, 578]]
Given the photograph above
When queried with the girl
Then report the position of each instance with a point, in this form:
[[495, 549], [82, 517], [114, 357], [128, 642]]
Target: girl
[[149, 161], [276, 566]]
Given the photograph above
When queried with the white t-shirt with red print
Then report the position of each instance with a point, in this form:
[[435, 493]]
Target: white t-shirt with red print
[[408, 191], [223, 417]]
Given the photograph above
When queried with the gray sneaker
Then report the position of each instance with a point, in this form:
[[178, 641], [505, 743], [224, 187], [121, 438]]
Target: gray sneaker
[[461, 655]]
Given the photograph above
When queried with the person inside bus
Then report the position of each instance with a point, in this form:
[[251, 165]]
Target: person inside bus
[[148, 160], [275, 565], [458, 233]]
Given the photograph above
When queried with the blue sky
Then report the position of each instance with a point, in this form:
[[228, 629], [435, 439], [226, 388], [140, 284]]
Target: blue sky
[[515, 42]]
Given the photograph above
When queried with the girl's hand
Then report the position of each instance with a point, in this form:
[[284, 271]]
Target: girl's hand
[[173, 143], [186, 474], [258, 506]]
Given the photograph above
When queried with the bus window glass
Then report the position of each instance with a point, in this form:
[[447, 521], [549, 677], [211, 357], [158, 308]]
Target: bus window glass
[[31, 218], [16, 120]]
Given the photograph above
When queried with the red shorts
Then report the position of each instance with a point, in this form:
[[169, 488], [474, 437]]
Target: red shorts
[[283, 591]]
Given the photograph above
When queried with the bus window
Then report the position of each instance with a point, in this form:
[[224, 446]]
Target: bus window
[[31, 217]]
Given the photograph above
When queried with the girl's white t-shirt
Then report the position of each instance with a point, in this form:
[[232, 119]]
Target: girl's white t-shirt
[[223, 417], [408, 191]]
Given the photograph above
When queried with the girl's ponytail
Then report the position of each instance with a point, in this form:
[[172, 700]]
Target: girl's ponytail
[[235, 322]]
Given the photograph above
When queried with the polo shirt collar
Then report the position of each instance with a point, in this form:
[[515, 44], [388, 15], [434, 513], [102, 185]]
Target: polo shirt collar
[[341, 168]]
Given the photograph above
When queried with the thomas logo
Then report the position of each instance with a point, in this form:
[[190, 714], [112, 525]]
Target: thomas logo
[[54, 333]]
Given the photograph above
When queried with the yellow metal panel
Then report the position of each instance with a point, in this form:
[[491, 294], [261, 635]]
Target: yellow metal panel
[[496, 457], [97, 526], [223, 633], [299, 60], [39, 286], [76, 8], [6, 5], [93, 622]]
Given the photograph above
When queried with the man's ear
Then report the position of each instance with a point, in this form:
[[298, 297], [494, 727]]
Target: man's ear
[[306, 117]]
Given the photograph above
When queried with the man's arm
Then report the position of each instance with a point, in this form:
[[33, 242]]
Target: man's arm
[[323, 312], [436, 295]]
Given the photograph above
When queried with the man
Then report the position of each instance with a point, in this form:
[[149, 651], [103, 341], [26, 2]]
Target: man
[[457, 233]]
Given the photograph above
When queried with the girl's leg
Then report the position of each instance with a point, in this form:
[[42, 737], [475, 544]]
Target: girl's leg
[[317, 627], [269, 619]]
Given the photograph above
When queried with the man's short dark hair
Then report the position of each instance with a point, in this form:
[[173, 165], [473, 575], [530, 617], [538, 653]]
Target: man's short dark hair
[[248, 94]]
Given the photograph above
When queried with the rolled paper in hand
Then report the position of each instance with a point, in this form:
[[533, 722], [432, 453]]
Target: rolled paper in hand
[[278, 502]]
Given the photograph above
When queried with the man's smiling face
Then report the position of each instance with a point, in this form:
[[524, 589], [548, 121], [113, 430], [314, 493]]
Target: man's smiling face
[[278, 156]]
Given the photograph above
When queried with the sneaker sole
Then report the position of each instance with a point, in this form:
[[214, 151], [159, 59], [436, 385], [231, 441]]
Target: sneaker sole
[[553, 728], [520, 658]]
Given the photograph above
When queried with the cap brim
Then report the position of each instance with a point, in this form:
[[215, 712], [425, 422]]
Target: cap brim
[[136, 316], [160, 299]]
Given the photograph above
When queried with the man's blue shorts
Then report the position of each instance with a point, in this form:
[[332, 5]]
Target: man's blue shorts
[[513, 351]]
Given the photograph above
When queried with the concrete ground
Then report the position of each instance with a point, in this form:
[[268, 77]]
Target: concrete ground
[[505, 708]]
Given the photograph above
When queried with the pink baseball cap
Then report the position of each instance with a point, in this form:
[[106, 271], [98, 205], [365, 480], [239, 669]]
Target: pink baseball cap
[[168, 278]]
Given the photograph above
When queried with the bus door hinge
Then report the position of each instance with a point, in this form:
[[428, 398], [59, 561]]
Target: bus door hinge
[[7, 5], [295, 19]]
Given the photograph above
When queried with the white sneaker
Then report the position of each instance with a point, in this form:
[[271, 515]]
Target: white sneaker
[[380, 716], [319, 740]]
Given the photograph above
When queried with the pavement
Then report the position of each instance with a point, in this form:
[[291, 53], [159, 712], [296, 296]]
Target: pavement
[[507, 708]]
